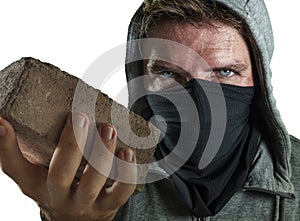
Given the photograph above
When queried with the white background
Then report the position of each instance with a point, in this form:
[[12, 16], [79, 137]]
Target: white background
[[72, 34]]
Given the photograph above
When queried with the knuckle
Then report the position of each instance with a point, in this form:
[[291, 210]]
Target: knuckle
[[132, 190], [59, 182], [120, 201], [56, 208], [78, 212], [9, 171], [25, 191], [91, 193], [70, 210], [4, 169], [71, 144]]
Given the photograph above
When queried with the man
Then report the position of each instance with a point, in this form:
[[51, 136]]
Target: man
[[249, 178]]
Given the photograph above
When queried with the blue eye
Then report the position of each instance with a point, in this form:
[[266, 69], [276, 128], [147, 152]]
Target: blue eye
[[226, 73], [167, 74]]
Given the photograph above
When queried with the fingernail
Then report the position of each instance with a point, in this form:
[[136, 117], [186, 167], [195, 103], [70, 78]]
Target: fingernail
[[107, 132], [78, 120], [128, 155], [2, 131]]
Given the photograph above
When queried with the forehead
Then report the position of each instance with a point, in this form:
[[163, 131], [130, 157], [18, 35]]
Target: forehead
[[216, 34], [211, 42]]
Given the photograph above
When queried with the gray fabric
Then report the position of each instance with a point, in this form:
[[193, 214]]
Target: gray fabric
[[160, 201], [256, 15], [292, 206], [269, 192]]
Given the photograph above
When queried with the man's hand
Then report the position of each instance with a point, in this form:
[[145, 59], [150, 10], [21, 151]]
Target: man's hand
[[54, 189]]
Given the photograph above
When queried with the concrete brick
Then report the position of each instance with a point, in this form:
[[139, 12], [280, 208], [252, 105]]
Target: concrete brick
[[36, 97]]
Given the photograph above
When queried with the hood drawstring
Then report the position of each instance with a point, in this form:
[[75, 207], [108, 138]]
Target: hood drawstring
[[281, 209]]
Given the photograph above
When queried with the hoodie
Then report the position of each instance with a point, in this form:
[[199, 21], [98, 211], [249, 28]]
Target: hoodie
[[271, 191]]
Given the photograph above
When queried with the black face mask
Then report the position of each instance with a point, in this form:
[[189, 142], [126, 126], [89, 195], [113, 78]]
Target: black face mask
[[226, 141]]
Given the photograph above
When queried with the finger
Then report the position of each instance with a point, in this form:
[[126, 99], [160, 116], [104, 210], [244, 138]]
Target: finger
[[117, 195], [24, 173], [100, 163], [67, 155]]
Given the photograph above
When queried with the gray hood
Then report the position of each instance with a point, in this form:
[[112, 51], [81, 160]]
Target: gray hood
[[275, 149]]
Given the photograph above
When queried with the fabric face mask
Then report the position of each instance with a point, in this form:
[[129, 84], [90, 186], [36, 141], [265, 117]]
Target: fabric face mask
[[205, 190]]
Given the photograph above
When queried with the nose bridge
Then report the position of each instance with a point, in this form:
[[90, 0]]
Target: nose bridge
[[202, 72], [200, 76]]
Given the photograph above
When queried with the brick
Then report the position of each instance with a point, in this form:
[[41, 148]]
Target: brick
[[37, 97]]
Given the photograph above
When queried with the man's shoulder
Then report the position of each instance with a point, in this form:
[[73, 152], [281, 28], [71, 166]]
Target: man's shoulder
[[294, 204], [295, 143], [295, 157]]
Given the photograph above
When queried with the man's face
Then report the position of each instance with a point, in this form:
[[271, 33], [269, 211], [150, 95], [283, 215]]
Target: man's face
[[225, 52]]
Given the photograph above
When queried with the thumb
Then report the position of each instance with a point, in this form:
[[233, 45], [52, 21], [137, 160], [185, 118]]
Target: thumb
[[11, 158], [12, 162]]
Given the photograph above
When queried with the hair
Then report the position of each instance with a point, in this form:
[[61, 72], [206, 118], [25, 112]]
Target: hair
[[196, 12]]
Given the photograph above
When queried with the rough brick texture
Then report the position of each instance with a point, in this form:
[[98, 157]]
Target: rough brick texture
[[36, 97]]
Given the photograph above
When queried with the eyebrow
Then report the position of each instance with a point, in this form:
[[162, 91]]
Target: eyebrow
[[237, 66], [161, 65]]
